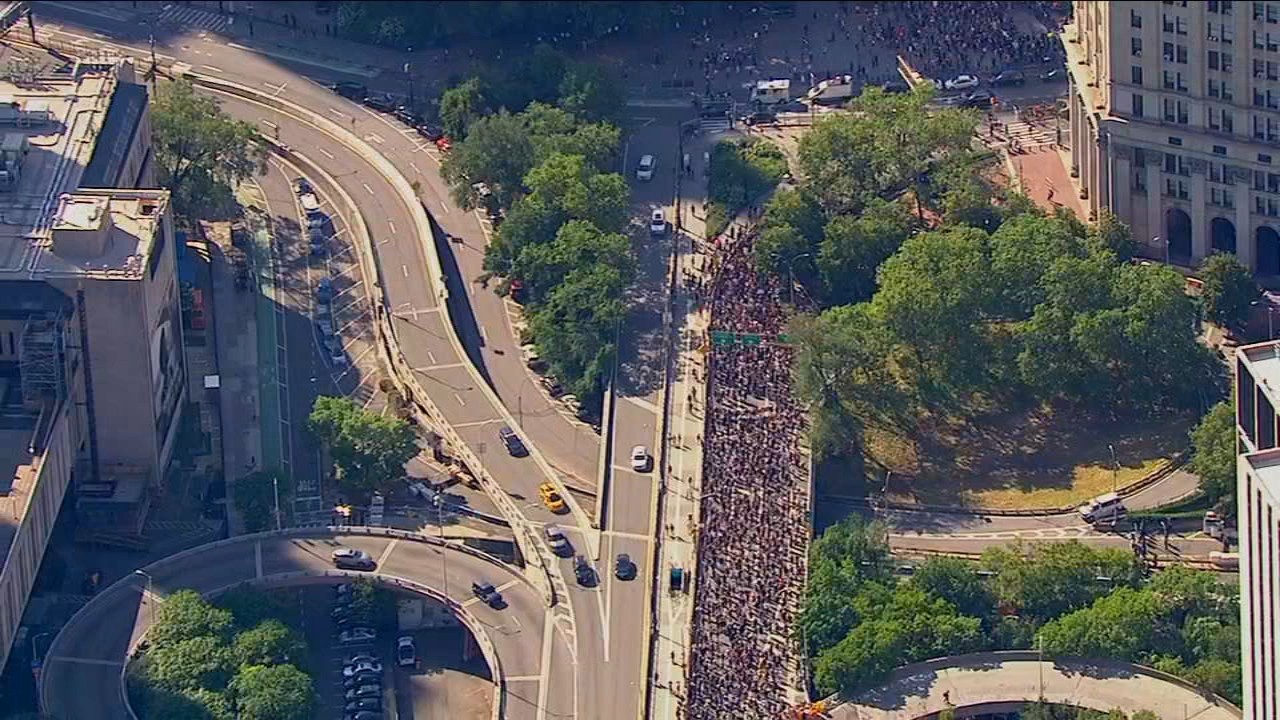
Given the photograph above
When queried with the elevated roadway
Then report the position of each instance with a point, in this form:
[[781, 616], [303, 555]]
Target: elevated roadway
[[1005, 681], [533, 674]]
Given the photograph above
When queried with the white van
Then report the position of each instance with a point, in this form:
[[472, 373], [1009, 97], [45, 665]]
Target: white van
[[1104, 507], [771, 92]]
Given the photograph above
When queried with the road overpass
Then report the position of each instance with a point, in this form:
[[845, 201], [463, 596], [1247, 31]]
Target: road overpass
[[1005, 681], [530, 655]]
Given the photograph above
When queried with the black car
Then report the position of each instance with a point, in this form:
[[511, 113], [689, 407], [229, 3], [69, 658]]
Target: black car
[[364, 691], [407, 116], [430, 132], [381, 103], [487, 594], [1054, 75], [1009, 77], [895, 87], [363, 715], [364, 678], [624, 568], [583, 572], [977, 99], [374, 704], [350, 90], [514, 444], [760, 117]]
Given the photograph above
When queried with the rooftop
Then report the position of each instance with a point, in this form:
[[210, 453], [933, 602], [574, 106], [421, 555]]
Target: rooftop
[[1263, 360], [51, 123], [1265, 466], [19, 466]]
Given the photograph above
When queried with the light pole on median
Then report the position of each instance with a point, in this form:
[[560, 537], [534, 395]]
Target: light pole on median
[[1115, 469], [150, 596]]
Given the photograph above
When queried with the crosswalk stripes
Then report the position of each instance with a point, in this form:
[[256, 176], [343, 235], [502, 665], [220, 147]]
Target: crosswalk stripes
[[194, 17], [1031, 136], [714, 124]]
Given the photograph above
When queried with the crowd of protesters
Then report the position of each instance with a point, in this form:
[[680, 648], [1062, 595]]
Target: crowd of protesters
[[753, 534]]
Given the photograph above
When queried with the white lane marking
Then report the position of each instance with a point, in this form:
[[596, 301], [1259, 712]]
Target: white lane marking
[[366, 187], [387, 553], [431, 357], [269, 124], [484, 339], [375, 137], [405, 269], [393, 227], [212, 68], [522, 678], [324, 152], [415, 168], [544, 670], [446, 366], [337, 112], [458, 397], [477, 423], [443, 205], [257, 559]]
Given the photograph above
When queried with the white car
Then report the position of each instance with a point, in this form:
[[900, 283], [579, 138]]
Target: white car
[[962, 82], [640, 459], [657, 224], [357, 635], [406, 653], [364, 667], [644, 171]]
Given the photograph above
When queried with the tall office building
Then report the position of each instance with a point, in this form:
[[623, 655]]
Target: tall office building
[[91, 367], [1257, 390], [1175, 123]]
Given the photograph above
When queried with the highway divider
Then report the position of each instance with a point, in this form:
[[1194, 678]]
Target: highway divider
[[426, 411]]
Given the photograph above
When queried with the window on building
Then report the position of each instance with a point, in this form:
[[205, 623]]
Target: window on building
[[1176, 164], [1175, 141], [1135, 19], [1273, 70], [1137, 105], [1215, 172], [1266, 128], [1168, 52], [1213, 119], [1139, 184], [1264, 159], [1219, 149], [1215, 62], [1180, 82], [1169, 113], [1180, 25], [1136, 74], [1214, 88], [1221, 197], [1226, 7], [1166, 23], [1175, 188], [1257, 11], [1184, 116], [1226, 62], [1135, 47], [1273, 13], [1181, 54], [1166, 79], [1214, 6]]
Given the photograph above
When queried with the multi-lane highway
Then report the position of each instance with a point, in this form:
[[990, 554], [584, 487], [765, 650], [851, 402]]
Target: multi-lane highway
[[82, 671]]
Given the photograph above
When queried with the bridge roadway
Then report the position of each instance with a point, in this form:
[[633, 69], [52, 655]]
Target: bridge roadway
[[1003, 682], [83, 668]]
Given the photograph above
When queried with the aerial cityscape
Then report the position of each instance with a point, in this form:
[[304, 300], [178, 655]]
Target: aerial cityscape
[[794, 360]]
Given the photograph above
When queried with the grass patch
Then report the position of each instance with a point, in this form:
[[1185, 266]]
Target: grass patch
[[1036, 457]]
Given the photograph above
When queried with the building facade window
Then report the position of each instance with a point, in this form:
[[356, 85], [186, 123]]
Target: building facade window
[[1136, 74], [1135, 47], [1176, 164], [1137, 104], [1221, 197], [1175, 188]]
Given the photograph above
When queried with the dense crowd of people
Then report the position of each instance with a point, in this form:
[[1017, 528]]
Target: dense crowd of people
[[754, 529]]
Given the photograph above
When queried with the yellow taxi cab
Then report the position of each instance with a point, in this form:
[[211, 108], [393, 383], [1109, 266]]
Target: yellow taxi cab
[[551, 498]]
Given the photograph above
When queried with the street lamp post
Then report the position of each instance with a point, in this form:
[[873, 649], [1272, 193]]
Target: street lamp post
[[275, 489], [791, 280], [1115, 469], [150, 597]]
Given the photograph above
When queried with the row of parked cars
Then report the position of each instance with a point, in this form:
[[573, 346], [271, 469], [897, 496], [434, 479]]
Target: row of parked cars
[[362, 670], [390, 105], [318, 233]]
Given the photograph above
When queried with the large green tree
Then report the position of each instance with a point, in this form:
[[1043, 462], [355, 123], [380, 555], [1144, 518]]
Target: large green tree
[[1229, 289], [460, 106], [854, 247], [1120, 625], [200, 150], [185, 615], [270, 642], [1048, 580], [498, 152], [579, 243], [369, 450], [1214, 458], [257, 494], [275, 692]]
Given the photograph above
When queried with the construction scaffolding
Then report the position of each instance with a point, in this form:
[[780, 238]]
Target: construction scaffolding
[[42, 359]]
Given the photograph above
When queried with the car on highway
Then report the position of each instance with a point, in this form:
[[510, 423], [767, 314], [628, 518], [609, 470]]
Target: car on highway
[[352, 559], [961, 82], [357, 635], [364, 667], [657, 224], [364, 691], [641, 460], [977, 99], [644, 170], [557, 541], [1006, 78], [552, 499], [624, 568], [488, 594], [583, 572], [515, 446], [406, 653]]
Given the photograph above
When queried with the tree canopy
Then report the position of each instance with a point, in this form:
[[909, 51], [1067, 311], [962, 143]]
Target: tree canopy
[[1229, 289], [201, 151], [368, 449], [255, 497], [1213, 442]]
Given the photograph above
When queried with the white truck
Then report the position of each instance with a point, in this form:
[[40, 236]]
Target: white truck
[[771, 92], [832, 91]]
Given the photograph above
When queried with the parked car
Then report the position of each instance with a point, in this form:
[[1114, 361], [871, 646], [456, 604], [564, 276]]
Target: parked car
[[324, 289], [382, 103], [302, 187], [357, 635], [551, 498], [363, 715], [363, 678], [557, 541], [406, 653], [350, 90], [372, 704], [358, 658], [488, 594], [364, 691], [352, 559], [429, 131], [962, 82], [1009, 77], [444, 144], [624, 568], [407, 116], [644, 170], [895, 87], [760, 117], [977, 99], [515, 446]]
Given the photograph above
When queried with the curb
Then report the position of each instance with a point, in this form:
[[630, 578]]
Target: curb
[[604, 474]]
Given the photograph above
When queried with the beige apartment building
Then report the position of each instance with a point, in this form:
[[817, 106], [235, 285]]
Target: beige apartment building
[[1175, 123], [92, 378]]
